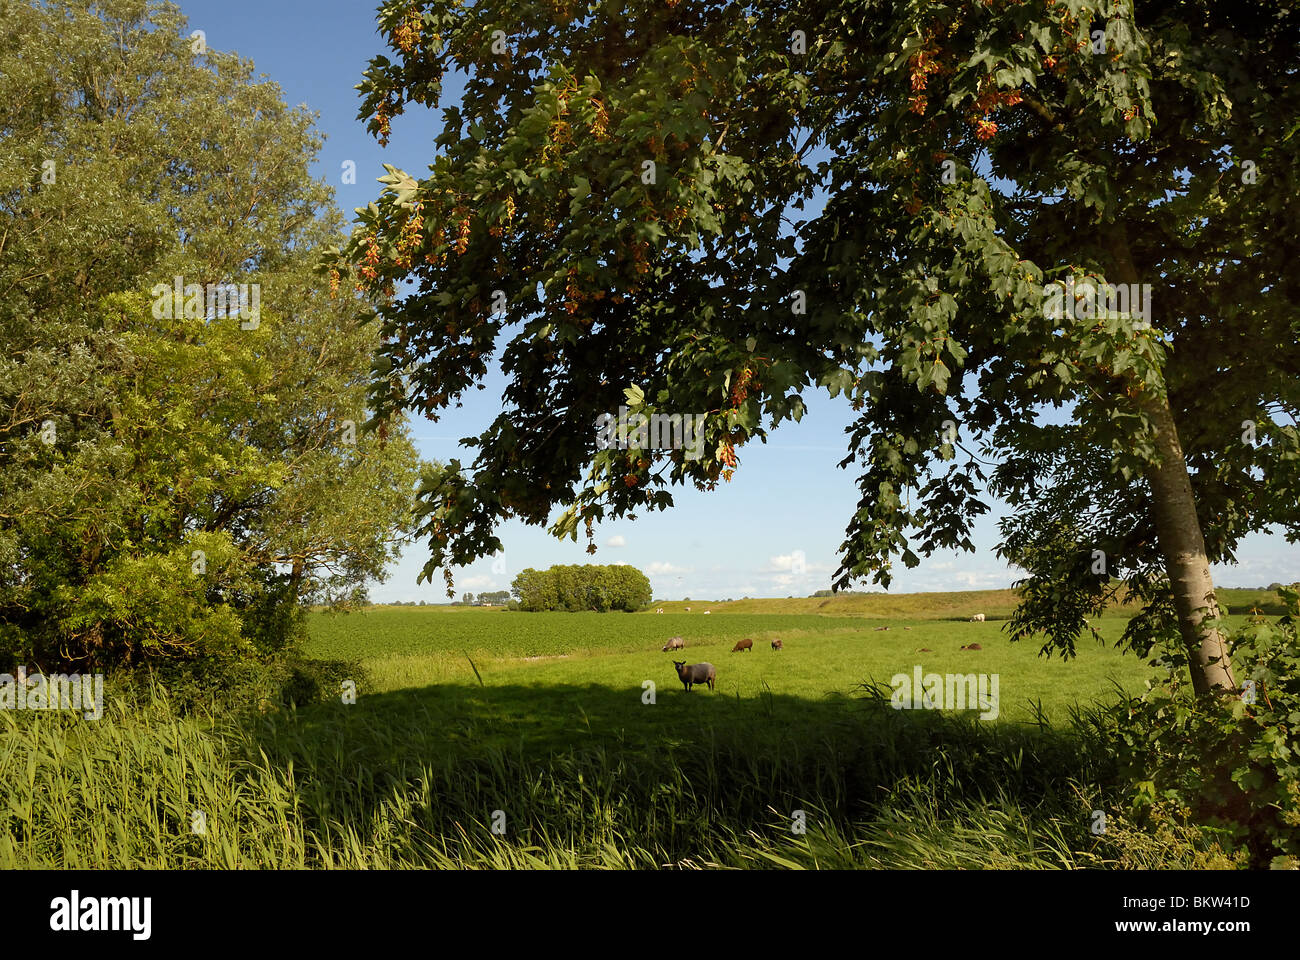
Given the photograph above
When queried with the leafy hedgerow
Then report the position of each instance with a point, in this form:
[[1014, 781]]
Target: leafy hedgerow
[[1231, 763]]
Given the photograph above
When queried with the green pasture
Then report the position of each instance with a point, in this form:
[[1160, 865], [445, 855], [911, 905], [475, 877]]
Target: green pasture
[[585, 661]]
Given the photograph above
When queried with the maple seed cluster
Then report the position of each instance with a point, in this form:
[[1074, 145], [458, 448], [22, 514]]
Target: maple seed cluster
[[740, 389], [560, 134], [407, 34], [411, 237], [990, 98], [922, 64], [727, 457], [600, 125], [461, 216], [499, 230], [370, 270], [632, 479], [383, 116]]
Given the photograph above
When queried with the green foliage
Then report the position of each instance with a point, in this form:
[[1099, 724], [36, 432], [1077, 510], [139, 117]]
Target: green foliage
[[152, 606], [214, 685], [1230, 763], [586, 587], [172, 484], [977, 157]]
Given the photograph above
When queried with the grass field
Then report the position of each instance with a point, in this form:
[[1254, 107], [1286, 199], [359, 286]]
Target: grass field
[[487, 738], [824, 657]]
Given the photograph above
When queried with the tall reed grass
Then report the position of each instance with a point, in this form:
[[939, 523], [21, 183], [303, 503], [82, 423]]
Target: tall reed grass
[[323, 787]]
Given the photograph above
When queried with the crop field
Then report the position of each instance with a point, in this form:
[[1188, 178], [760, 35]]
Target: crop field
[[388, 631]]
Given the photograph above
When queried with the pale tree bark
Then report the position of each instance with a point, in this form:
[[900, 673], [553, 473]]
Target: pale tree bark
[[1178, 528], [1183, 547]]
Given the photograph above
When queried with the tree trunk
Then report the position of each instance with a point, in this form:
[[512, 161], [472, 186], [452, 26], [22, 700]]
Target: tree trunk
[[1183, 547], [295, 578], [1177, 526]]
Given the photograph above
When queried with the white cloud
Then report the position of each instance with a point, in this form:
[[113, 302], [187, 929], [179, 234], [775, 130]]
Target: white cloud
[[786, 562], [616, 541], [981, 581], [662, 569]]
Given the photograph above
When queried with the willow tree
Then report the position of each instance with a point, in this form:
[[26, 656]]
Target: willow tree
[[173, 482], [1029, 206]]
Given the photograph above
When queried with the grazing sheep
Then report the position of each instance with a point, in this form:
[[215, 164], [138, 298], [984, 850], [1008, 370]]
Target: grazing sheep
[[707, 612], [674, 643], [972, 646], [743, 645], [878, 629], [921, 650], [978, 618], [688, 609], [660, 610], [776, 645], [695, 673]]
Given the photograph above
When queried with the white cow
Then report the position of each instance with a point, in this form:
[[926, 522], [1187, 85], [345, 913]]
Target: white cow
[[978, 618]]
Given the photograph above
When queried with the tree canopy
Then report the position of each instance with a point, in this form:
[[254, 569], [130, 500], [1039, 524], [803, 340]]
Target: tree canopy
[[1029, 206], [177, 475]]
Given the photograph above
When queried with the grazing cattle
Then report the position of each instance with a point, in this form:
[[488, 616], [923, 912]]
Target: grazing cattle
[[674, 643], [972, 646], [743, 645], [776, 645], [978, 618], [695, 673]]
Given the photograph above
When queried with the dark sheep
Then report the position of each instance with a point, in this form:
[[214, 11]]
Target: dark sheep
[[695, 673]]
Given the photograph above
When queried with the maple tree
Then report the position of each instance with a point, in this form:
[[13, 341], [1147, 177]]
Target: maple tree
[[612, 211]]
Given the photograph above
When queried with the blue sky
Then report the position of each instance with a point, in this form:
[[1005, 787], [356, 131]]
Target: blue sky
[[788, 497]]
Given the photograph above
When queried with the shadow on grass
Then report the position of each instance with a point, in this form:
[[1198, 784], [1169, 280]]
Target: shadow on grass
[[431, 771]]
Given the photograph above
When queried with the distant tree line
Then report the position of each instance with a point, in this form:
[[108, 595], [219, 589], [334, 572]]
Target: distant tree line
[[494, 597], [586, 587]]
